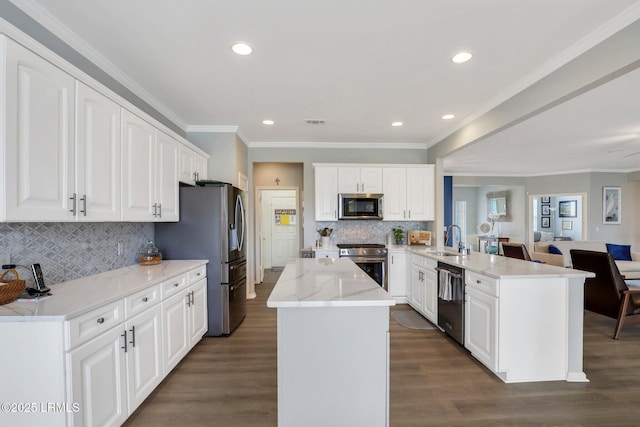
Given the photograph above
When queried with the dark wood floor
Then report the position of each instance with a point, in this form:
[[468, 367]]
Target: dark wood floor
[[231, 382]]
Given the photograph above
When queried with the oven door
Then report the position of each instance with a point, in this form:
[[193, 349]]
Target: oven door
[[376, 268]]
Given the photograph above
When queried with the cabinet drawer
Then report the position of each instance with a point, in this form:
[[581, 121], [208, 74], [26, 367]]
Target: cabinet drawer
[[485, 284], [197, 274], [140, 301], [173, 285], [424, 262], [82, 328]]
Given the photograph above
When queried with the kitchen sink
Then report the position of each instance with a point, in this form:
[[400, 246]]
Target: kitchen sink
[[446, 253]]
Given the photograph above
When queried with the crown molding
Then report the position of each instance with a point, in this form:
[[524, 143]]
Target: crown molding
[[339, 145], [212, 128], [533, 175], [52, 24]]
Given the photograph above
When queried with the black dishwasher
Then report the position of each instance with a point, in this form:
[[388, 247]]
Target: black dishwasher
[[451, 300]]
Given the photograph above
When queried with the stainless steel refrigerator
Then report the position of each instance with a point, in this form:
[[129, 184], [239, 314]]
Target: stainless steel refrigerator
[[212, 226]]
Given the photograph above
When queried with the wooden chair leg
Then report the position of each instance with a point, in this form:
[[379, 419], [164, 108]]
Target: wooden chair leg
[[621, 315]]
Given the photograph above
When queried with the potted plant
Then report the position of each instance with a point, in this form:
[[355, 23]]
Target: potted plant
[[398, 235]]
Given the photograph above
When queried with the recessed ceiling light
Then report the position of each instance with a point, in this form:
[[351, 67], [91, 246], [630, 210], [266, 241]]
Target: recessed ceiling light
[[396, 124], [268, 122], [241, 48], [448, 117], [461, 57]]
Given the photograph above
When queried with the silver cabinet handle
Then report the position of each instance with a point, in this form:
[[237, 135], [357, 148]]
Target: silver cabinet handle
[[133, 336], [83, 199], [155, 210], [145, 299], [188, 300], [73, 209], [159, 210], [124, 335], [100, 320], [193, 299]]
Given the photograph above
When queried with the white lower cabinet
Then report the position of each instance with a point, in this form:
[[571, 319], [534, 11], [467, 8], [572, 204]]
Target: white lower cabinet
[[102, 364], [198, 312], [517, 327], [423, 295], [185, 322], [175, 323], [98, 381], [398, 275], [144, 355], [481, 327], [113, 374]]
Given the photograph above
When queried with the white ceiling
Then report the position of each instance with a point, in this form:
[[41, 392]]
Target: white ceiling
[[362, 64]]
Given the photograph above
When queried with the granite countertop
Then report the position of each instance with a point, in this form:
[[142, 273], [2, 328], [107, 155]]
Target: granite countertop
[[326, 282], [497, 266], [75, 297]]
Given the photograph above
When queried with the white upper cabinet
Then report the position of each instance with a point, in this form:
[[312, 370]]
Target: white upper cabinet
[[395, 193], [37, 137], [138, 169], [193, 166], [359, 180], [150, 172], [73, 153], [201, 167], [326, 193], [409, 193], [97, 195], [166, 180], [420, 193], [187, 165]]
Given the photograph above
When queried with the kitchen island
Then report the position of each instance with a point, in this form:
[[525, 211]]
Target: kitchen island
[[333, 344], [523, 320]]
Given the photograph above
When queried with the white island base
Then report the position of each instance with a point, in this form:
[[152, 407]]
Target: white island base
[[333, 345]]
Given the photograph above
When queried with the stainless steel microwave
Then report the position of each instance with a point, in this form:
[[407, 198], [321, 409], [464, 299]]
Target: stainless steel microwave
[[359, 206]]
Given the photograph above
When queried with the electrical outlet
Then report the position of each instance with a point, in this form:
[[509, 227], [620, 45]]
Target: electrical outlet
[[5, 258], [120, 248]]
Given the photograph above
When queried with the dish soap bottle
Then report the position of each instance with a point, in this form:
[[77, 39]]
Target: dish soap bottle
[[149, 254]]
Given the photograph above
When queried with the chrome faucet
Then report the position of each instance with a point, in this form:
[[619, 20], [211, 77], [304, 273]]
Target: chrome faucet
[[448, 234]]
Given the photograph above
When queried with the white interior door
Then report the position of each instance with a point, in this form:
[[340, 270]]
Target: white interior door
[[279, 227]]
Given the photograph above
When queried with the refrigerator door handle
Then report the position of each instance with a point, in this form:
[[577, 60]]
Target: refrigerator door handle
[[240, 207]]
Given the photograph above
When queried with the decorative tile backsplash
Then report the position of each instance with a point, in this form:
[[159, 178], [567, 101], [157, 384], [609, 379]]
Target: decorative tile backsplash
[[355, 231], [68, 251]]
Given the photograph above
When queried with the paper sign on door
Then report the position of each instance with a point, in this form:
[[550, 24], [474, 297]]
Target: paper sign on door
[[285, 216]]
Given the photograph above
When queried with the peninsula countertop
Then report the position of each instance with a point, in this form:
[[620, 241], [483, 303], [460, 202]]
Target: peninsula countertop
[[497, 266], [326, 282], [76, 297]]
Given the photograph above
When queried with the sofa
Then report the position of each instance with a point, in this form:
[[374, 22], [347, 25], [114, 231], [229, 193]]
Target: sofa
[[559, 253]]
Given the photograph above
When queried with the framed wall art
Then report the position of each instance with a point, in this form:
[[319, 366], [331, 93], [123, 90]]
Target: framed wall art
[[546, 209], [611, 205], [545, 222], [545, 199], [568, 209], [567, 225]]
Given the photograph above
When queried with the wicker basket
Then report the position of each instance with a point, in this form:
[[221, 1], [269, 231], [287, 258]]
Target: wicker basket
[[11, 289]]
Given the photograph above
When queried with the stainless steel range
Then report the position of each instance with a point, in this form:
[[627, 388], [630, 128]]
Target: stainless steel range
[[370, 257]]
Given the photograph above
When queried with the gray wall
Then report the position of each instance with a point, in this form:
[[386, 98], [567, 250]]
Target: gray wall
[[289, 174]]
